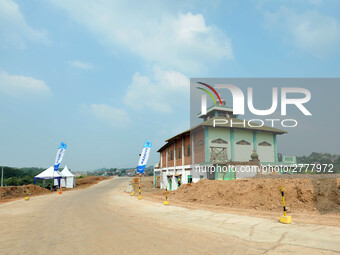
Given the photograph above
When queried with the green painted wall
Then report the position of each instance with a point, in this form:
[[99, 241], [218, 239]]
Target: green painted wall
[[240, 134], [215, 133], [265, 136], [243, 152], [266, 153]]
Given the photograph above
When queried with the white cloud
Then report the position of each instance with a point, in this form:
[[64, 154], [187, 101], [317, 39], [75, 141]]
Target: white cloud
[[113, 116], [308, 31], [81, 65], [22, 86], [13, 27], [159, 93], [161, 35]]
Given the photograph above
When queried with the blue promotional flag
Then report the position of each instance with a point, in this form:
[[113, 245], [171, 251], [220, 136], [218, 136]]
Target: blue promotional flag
[[60, 155], [144, 157]]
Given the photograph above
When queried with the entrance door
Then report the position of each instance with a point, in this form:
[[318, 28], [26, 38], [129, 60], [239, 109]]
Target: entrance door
[[170, 183]]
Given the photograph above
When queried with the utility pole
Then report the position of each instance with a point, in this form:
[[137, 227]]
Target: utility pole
[[2, 176]]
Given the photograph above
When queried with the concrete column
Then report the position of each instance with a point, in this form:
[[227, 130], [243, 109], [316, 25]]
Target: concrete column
[[206, 145], [182, 151], [232, 144], [173, 177], [166, 165], [154, 179], [255, 140], [183, 170], [275, 148], [174, 156], [166, 158], [192, 151]]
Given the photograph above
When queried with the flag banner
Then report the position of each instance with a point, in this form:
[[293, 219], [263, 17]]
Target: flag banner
[[144, 157], [60, 155]]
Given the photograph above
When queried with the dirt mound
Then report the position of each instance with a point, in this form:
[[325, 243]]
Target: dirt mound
[[146, 184], [10, 192], [88, 180], [302, 195]]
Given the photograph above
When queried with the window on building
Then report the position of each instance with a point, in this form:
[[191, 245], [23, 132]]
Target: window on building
[[243, 142], [179, 153], [188, 151], [171, 155], [189, 178], [265, 144]]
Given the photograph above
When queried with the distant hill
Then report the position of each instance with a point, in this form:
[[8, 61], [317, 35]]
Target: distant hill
[[130, 171], [321, 158]]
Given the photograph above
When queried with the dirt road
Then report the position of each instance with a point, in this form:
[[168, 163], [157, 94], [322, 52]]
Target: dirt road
[[104, 220]]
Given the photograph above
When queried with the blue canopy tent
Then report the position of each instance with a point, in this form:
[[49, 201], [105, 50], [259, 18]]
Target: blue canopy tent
[[49, 174]]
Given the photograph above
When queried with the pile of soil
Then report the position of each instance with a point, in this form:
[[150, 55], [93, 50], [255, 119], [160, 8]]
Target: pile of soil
[[89, 180], [10, 192], [301, 194], [146, 185]]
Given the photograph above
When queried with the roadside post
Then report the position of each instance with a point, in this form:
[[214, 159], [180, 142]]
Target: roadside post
[[27, 191], [140, 193], [133, 192], [284, 219], [166, 202], [60, 190]]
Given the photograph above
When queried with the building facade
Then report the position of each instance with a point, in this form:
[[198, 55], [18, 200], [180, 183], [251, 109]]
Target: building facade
[[222, 139]]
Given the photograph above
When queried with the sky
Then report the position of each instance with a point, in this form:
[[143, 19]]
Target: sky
[[103, 76]]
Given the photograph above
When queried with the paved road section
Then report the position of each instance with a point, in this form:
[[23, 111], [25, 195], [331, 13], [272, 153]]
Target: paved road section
[[103, 219]]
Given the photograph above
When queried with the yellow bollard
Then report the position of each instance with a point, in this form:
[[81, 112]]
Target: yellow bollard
[[166, 202], [140, 194], [133, 192], [27, 198], [284, 219]]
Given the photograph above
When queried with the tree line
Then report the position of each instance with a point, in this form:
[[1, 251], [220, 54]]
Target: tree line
[[20, 176]]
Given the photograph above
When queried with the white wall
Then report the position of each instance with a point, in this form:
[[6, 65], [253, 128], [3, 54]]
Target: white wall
[[243, 152], [266, 153]]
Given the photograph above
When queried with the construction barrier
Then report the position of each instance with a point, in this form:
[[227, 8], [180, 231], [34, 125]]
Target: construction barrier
[[284, 219]]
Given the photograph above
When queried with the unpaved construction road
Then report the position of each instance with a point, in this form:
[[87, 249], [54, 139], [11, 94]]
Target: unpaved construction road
[[103, 219]]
